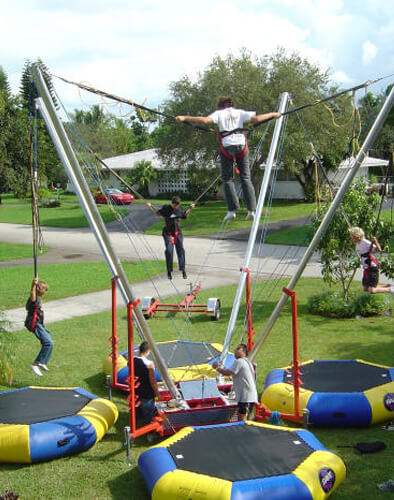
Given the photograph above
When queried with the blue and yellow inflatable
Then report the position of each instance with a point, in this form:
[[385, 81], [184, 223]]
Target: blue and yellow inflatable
[[186, 360], [42, 423], [344, 393], [241, 460]]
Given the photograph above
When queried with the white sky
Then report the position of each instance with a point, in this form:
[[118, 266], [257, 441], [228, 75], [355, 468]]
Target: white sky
[[136, 48]]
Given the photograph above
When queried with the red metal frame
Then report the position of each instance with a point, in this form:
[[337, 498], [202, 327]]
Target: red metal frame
[[262, 413], [156, 424], [185, 306], [114, 339], [250, 329]]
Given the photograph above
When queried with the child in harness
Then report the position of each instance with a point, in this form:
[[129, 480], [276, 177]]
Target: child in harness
[[172, 233], [370, 264]]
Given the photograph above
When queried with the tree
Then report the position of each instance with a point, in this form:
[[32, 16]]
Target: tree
[[337, 253], [256, 83], [369, 106], [142, 175]]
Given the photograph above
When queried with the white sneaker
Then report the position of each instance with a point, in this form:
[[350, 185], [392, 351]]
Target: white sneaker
[[36, 370], [44, 367], [229, 215], [250, 215]]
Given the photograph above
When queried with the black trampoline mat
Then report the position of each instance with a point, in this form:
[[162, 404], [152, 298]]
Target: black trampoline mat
[[177, 354], [240, 452], [30, 406], [340, 376]]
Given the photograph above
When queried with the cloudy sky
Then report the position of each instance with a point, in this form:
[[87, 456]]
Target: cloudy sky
[[136, 48]]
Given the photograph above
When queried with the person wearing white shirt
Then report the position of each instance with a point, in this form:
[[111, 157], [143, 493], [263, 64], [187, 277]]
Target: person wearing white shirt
[[233, 151], [369, 263]]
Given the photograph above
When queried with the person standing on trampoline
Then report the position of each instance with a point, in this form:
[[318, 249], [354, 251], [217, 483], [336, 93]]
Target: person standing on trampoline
[[370, 265], [244, 381], [233, 150], [35, 323], [172, 233]]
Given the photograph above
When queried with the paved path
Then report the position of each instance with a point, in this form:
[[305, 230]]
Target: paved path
[[215, 262]]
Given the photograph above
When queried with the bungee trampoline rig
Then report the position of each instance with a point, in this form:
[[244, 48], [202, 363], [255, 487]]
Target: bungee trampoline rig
[[278, 463]]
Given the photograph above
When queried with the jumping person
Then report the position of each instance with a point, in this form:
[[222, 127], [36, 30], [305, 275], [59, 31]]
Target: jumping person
[[172, 233], [369, 263], [35, 323], [244, 381], [233, 150]]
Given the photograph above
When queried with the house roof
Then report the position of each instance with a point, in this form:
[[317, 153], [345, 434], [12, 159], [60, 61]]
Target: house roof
[[368, 161], [129, 161]]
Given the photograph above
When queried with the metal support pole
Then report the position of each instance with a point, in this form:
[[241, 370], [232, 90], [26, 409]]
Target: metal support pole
[[255, 226], [326, 220], [74, 173]]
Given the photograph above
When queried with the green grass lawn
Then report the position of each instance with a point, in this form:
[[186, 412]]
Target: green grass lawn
[[66, 280], [80, 348], [67, 215], [207, 218], [11, 251]]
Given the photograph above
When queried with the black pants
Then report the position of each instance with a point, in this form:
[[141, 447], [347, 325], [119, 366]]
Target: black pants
[[169, 252]]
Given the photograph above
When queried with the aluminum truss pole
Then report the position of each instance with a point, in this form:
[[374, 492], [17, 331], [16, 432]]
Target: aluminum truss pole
[[255, 226], [326, 220], [75, 175]]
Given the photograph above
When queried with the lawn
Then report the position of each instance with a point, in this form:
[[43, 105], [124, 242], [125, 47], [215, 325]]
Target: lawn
[[102, 472], [11, 251], [67, 280], [67, 215], [207, 218]]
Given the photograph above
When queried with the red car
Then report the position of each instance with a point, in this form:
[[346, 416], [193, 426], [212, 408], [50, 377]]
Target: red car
[[115, 195]]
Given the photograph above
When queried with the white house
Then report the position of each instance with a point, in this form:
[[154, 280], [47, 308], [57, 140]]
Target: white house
[[287, 187]]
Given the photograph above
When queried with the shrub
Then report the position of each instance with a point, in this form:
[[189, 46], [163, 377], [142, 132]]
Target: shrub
[[6, 350], [372, 304], [333, 305], [49, 203]]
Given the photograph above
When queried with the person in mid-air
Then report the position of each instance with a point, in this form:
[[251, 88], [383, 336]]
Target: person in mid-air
[[234, 150]]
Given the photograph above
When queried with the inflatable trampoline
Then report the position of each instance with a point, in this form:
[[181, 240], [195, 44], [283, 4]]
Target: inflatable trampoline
[[241, 460], [41, 423], [186, 360], [348, 393]]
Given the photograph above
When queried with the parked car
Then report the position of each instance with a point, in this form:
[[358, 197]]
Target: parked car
[[115, 195]]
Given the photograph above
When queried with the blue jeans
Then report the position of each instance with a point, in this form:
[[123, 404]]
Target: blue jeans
[[46, 344], [169, 251], [244, 175], [146, 410]]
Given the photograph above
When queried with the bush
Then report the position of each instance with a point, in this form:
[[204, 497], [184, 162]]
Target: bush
[[50, 203], [372, 304], [333, 305], [6, 350]]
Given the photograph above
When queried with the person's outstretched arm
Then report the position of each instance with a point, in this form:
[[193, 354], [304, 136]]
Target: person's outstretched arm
[[152, 209], [265, 117], [199, 120]]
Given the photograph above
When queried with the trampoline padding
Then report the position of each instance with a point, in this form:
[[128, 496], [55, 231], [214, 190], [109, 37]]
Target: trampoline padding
[[241, 461]]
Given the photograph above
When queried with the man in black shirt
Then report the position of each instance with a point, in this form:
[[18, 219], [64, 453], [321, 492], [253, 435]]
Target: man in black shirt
[[172, 233], [146, 389]]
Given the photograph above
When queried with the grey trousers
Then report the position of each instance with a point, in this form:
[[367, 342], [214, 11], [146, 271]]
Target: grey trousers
[[244, 175]]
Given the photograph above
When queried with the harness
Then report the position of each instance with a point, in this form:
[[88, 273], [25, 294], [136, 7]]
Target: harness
[[226, 133], [369, 259], [174, 237], [34, 320]]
